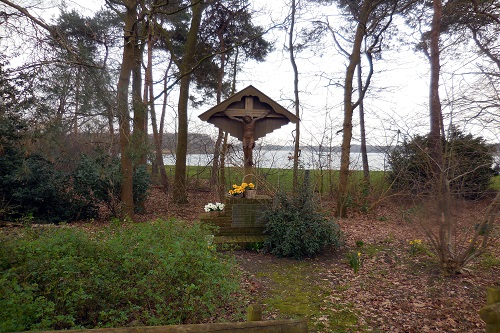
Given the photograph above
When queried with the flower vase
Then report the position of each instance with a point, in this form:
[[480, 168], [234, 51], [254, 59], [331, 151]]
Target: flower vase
[[250, 194]]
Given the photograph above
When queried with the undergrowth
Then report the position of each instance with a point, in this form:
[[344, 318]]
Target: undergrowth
[[158, 273]]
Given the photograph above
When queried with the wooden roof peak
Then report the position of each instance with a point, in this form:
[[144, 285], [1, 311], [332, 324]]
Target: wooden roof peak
[[249, 91]]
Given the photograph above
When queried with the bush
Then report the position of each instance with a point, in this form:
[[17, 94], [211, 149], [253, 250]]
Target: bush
[[296, 228], [32, 186], [468, 165], [98, 180], [159, 273]]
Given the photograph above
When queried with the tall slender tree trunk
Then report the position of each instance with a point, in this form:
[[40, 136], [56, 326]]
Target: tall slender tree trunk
[[296, 102], [140, 137], [217, 149], [180, 183], [364, 153], [222, 157], [222, 176], [77, 100], [216, 158], [348, 110], [436, 147], [127, 198], [158, 162]]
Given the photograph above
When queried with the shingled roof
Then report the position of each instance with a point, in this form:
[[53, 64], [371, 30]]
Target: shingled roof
[[249, 101]]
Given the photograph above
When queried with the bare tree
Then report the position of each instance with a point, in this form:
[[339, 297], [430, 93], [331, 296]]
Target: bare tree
[[296, 101], [373, 18], [452, 256]]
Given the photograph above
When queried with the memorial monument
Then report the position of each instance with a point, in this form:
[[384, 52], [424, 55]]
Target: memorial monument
[[248, 115]]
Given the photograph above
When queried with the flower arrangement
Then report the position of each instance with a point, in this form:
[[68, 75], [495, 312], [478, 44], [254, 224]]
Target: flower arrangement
[[216, 207], [240, 189]]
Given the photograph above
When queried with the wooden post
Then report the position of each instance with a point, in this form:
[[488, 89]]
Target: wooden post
[[490, 314], [492, 295], [254, 312]]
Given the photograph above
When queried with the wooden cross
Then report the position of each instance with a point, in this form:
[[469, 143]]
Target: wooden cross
[[249, 103]]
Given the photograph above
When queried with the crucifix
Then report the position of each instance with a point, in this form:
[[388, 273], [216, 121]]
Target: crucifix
[[248, 123], [248, 115]]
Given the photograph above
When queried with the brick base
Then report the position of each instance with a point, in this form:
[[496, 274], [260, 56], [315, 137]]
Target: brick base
[[240, 217]]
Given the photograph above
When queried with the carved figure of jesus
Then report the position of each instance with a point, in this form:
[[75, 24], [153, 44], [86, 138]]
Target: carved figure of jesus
[[248, 135]]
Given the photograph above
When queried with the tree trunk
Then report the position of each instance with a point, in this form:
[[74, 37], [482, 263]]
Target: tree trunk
[[77, 100], [442, 189], [296, 102], [157, 141], [127, 198], [222, 176], [220, 136], [348, 110], [180, 190], [215, 162], [364, 153], [140, 136]]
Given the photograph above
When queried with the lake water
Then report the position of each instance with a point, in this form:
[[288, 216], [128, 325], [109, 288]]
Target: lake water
[[284, 160]]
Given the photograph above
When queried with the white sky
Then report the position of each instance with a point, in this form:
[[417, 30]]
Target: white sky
[[397, 100]]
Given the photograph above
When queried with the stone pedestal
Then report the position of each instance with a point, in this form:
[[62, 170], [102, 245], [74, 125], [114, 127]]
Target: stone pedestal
[[241, 216]]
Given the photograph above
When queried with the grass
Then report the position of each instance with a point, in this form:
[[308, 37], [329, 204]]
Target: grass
[[495, 183], [489, 261], [271, 179], [297, 292]]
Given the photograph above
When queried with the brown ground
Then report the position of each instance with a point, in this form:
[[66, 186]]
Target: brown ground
[[393, 291]]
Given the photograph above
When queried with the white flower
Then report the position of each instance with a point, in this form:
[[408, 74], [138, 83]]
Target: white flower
[[214, 207]]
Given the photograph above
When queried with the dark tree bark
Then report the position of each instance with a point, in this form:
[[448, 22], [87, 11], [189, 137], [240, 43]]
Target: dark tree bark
[[188, 61], [140, 135], [127, 198]]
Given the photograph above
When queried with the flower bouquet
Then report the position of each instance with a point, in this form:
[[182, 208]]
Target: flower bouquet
[[216, 207], [240, 190]]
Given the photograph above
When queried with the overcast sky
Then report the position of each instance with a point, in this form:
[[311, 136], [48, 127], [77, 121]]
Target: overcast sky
[[398, 99]]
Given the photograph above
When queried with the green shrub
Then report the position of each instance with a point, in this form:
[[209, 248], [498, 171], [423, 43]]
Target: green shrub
[[98, 180], [32, 186], [296, 228], [468, 165], [159, 273]]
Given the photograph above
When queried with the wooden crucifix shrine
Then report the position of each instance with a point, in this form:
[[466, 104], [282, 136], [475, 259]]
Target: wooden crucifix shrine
[[248, 115]]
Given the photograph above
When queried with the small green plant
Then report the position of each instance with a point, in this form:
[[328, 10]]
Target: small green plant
[[354, 260], [488, 260], [416, 247], [255, 246], [359, 243]]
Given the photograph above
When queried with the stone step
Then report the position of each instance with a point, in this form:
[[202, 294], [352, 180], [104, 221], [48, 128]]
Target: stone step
[[239, 239]]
